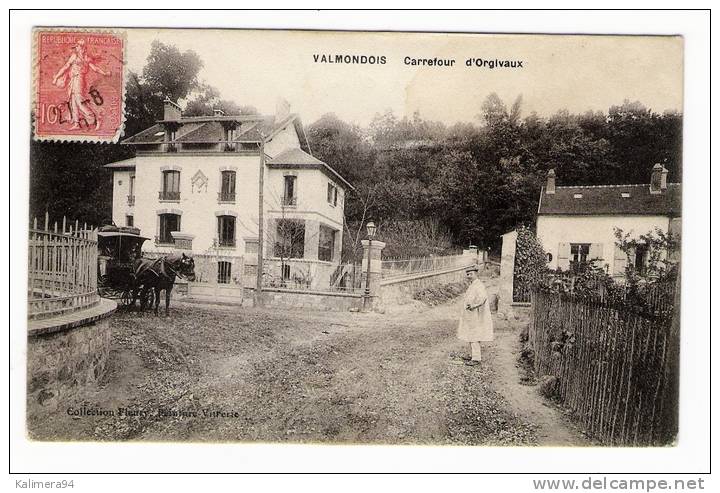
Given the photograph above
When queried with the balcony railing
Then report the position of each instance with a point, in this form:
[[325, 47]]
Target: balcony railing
[[289, 201], [174, 196], [226, 197], [164, 241], [225, 242], [131, 200]]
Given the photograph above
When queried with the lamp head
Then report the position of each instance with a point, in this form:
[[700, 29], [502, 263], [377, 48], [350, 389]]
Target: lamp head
[[371, 228]]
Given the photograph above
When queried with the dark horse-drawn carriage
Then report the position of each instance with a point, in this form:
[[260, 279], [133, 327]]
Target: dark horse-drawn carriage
[[118, 248], [123, 273]]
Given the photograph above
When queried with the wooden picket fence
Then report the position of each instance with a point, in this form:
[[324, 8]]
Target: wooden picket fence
[[611, 364], [62, 268]]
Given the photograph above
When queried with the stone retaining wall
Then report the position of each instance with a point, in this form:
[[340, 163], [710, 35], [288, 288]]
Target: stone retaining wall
[[400, 291], [301, 299], [65, 355]]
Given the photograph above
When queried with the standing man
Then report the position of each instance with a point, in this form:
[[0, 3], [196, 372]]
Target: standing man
[[476, 323]]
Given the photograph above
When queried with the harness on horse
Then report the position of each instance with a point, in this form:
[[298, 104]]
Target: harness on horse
[[164, 265]]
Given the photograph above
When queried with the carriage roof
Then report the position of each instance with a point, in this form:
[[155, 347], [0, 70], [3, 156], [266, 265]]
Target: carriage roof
[[119, 244]]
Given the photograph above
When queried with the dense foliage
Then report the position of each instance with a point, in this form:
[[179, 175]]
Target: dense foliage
[[649, 291], [530, 262]]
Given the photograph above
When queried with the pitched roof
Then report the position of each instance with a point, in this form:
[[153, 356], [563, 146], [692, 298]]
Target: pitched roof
[[209, 129], [626, 200], [202, 133], [152, 135], [295, 156], [124, 164], [299, 159]]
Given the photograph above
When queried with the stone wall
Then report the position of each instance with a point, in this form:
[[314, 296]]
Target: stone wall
[[399, 291], [301, 299], [66, 357]]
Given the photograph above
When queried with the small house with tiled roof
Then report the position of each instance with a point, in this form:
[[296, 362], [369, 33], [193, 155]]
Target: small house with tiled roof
[[577, 223], [193, 186]]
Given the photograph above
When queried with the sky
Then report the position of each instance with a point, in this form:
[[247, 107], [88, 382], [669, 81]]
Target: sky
[[576, 73]]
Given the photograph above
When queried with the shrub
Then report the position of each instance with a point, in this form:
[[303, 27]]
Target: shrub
[[441, 293], [530, 261]]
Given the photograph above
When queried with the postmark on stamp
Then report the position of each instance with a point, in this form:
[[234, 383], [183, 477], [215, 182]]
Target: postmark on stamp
[[79, 85]]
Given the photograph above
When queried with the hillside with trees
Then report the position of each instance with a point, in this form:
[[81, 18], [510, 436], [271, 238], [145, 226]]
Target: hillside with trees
[[479, 180]]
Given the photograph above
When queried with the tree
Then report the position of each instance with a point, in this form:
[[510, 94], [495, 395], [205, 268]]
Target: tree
[[415, 238], [640, 138], [168, 73], [204, 100]]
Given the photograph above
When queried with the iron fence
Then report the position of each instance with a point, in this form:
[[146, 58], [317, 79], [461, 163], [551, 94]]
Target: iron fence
[[402, 267]]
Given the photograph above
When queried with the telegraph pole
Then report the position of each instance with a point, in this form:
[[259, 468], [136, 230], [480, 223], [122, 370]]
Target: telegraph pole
[[257, 298]]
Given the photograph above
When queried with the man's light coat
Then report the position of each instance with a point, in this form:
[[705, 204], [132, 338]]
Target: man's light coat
[[476, 324]]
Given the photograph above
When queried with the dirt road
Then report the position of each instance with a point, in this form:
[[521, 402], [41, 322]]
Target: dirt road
[[213, 373]]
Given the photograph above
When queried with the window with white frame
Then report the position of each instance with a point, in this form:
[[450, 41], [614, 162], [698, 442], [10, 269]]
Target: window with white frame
[[332, 194], [579, 252]]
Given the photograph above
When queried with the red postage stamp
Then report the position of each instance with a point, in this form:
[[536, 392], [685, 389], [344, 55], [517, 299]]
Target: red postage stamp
[[79, 85]]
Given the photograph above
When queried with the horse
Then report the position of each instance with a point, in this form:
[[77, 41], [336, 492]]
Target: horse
[[159, 274]]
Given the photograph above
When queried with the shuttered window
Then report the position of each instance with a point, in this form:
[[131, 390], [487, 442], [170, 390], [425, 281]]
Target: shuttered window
[[619, 261], [564, 256], [579, 252]]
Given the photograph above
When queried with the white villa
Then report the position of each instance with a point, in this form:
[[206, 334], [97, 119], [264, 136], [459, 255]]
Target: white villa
[[576, 223], [193, 186]]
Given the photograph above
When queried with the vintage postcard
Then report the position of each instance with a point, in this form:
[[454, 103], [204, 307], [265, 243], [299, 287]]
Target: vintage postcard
[[354, 237]]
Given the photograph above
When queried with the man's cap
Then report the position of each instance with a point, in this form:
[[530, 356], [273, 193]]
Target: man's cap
[[472, 268]]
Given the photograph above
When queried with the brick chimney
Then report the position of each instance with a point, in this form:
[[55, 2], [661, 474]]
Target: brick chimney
[[550, 187], [171, 110], [658, 179]]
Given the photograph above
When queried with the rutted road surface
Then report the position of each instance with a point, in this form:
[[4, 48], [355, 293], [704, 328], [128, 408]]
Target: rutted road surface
[[217, 373]]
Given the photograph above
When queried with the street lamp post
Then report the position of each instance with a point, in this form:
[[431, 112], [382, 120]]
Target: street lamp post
[[371, 228]]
